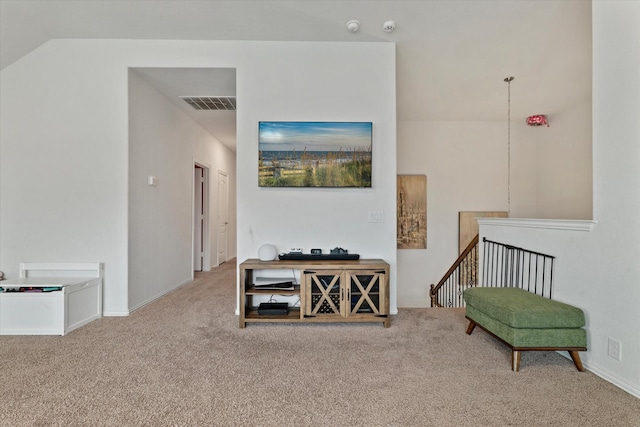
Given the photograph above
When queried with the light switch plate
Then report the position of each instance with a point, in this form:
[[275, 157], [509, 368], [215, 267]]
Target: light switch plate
[[376, 216]]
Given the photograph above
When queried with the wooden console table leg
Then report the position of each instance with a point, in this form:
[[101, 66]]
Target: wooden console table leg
[[576, 360], [470, 328], [515, 360]]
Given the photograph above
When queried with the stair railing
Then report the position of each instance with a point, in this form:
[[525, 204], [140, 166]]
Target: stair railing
[[510, 266], [503, 266], [462, 274]]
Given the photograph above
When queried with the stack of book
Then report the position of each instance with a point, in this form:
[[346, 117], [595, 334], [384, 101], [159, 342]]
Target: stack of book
[[273, 283]]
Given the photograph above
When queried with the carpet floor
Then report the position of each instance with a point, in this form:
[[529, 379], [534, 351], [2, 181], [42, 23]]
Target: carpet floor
[[183, 361]]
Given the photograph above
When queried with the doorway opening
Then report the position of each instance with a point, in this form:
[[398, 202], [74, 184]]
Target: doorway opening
[[201, 241], [223, 216]]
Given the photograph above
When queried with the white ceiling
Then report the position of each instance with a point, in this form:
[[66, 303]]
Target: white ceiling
[[452, 55]]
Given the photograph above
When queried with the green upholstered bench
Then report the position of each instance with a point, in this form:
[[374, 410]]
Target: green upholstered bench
[[526, 322]]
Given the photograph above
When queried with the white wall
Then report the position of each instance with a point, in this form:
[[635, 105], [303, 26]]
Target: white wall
[[564, 188], [466, 168], [320, 82], [163, 142], [599, 271], [64, 166], [615, 249]]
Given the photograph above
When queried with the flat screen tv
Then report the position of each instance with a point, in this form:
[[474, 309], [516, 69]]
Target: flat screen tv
[[315, 154]]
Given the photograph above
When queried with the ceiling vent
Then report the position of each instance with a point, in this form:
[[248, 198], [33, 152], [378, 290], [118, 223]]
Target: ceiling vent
[[216, 103]]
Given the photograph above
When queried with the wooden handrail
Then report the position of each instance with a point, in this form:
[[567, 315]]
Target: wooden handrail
[[435, 288]]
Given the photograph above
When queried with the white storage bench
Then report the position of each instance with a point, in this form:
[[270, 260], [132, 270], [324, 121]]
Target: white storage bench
[[76, 298]]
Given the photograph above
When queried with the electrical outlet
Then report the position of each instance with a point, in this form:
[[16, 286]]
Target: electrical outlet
[[615, 349]]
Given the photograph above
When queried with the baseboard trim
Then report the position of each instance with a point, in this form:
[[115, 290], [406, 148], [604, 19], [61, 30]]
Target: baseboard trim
[[150, 300], [613, 379], [607, 376], [115, 313]]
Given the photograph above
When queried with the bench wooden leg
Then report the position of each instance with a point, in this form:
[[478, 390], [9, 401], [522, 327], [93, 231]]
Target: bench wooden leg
[[470, 328], [515, 360], [576, 360]]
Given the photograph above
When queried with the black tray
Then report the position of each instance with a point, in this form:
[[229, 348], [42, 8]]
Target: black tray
[[273, 308], [318, 257]]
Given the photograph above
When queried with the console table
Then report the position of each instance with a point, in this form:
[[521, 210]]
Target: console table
[[328, 291]]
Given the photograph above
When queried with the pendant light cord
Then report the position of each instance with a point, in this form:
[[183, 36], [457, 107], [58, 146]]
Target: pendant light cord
[[508, 80]]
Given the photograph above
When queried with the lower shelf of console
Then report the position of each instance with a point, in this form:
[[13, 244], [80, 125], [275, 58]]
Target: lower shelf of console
[[252, 316]]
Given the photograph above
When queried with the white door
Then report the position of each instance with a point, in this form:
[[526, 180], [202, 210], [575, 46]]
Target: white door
[[198, 218], [223, 216]]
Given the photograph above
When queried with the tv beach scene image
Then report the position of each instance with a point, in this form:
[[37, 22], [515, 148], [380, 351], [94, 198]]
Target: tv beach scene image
[[315, 154]]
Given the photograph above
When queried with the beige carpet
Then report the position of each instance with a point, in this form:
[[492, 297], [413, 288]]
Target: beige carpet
[[183, 361]]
